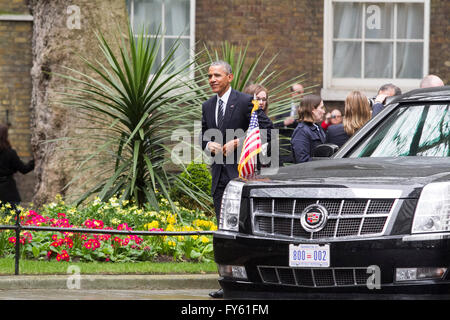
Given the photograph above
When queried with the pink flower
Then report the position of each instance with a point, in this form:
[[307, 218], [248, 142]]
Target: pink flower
[[124, 226]]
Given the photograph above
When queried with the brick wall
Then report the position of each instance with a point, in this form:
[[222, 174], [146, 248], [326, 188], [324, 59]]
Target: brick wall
[[15, 85], [440, 40], [293, 29], [13, 7]]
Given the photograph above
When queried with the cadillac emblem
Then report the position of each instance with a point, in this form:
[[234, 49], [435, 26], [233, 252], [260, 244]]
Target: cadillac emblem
[[314, 218]]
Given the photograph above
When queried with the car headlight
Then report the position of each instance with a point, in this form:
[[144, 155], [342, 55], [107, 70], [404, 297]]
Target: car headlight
[[433, 209], [231, 205]]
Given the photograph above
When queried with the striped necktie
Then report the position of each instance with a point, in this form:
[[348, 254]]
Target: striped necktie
[[220, 115]]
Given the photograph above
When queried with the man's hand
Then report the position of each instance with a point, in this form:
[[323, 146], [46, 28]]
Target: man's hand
[[230, 146], [215, 147], [381, 97], [288, 121]]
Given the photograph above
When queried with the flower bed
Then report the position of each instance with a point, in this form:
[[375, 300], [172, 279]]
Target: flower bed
[[111, 215]]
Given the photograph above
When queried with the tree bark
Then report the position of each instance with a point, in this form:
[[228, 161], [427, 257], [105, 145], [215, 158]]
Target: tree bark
[[63, 29]]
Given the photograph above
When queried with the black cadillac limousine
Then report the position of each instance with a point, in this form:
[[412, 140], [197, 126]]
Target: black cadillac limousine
[[372, 219]]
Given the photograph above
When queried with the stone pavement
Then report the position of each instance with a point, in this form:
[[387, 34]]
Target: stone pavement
[[108, 287], [105, 282]]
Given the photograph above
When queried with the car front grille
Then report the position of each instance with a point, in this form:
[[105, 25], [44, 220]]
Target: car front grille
[[329, 277], [280, 217]]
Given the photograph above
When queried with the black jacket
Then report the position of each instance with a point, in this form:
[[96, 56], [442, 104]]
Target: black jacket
[[10, 163], [305, 139], [337, 135]]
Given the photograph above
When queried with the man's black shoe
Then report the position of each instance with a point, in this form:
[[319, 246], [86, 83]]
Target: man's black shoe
[[216, 294]]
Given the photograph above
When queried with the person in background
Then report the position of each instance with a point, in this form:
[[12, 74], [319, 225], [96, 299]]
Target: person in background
[[356, 114], [308, 135], [10, 163], [333, 117], [385, 91], [290, 116], [431, 80], [261, 94], [288, 124]]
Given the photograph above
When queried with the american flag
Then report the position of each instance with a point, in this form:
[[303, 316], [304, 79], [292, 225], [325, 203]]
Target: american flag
[[252, 146]]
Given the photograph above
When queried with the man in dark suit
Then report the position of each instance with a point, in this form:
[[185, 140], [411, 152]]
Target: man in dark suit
[[225, 118]]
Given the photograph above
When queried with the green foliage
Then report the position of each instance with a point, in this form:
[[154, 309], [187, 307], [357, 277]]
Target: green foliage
[[197, 176], [131, 110], [195, 179]]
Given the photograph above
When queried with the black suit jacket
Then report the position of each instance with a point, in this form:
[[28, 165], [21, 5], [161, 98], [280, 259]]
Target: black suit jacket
[[337, 135], [236, 121]]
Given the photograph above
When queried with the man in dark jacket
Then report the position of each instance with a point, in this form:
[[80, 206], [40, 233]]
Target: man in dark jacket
[[225, 118], [10, 163]]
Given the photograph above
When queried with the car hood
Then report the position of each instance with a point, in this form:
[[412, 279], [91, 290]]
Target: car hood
[[408, 174]]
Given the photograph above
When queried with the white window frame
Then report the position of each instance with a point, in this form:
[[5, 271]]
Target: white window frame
[[337, 88], [191, 35]]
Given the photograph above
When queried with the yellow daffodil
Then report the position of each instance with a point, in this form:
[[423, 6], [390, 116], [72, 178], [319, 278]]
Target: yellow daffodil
[[204, 239]]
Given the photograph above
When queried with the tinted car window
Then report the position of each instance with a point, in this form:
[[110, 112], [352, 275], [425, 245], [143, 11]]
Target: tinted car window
[[421, 130]]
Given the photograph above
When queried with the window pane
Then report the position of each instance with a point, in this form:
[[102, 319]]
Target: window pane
[[379, 22], [347, 20], [435, 128], [147, 14], [347, 60], [378, 60], [410, 131], [181, 56], [177, 13], [410, 20], [409, 60]]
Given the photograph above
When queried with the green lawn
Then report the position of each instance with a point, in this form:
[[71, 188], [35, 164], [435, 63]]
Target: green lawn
[[30, 267]]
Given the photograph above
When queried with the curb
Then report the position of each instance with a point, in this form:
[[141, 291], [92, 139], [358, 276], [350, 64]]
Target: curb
[[99, 282]]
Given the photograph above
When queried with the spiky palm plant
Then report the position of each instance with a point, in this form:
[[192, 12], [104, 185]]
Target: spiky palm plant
[[134, 101]]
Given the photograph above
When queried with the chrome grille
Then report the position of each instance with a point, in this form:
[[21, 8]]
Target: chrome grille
[[329, 277], [346, 218]]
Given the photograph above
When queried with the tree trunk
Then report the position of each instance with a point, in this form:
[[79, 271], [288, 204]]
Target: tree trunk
[[63, 30]]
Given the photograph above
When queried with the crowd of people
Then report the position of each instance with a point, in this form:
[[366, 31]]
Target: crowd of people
[[307, 124]]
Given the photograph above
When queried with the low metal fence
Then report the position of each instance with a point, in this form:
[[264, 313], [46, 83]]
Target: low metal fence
[[18, 227]]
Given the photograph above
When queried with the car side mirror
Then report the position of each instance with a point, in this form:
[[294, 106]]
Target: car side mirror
[[325, 150]]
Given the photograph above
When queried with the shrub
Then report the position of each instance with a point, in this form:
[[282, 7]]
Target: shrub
[[193, 188]]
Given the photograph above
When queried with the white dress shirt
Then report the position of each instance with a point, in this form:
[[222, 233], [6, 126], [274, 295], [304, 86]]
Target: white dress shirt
[[224, 98]]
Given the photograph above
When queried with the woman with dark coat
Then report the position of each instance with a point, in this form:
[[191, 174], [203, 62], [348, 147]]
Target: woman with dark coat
[[308, 135], [10, 163]]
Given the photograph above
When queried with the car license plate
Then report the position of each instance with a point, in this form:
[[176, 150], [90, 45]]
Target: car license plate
[[309, 255]]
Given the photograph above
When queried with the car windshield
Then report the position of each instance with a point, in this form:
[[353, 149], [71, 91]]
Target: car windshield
[[420, 130]]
